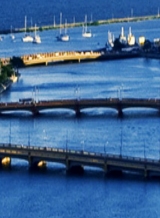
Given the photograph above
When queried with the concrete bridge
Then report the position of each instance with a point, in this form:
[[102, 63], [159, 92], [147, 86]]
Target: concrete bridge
[[78, 105], [73, 159]]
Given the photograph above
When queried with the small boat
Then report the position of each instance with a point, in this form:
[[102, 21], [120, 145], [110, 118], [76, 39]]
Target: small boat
[[85, 32], [27, 37], [64, 37], [37, 38]]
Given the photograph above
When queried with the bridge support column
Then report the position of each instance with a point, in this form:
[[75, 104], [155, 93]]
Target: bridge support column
[[77, 110], [35, 111], [120, 112], [67, 163], [145, 173], [36, 164], [105, 168], [76, 169]]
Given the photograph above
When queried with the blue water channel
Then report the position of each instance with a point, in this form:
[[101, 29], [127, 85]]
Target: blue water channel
[[54, 193]]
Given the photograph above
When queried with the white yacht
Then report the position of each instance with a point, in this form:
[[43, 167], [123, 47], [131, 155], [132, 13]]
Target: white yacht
[[64, 37], [37, 38], [27, 37], [12, 35], [85, 32]]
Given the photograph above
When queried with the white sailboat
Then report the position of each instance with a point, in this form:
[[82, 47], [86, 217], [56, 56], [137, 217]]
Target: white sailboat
[[12, 35], [86, 33], [37, 38], [27, 37], [64, 37]]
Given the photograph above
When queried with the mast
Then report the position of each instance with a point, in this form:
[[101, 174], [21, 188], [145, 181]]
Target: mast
[[25, 23], [60, 22]]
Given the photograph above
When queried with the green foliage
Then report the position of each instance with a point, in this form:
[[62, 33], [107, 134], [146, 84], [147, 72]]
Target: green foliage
[[40, 29], [95, 23], [6, 72]]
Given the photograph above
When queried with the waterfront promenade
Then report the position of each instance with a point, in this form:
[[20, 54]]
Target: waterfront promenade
[[77, 105], [76, 160]]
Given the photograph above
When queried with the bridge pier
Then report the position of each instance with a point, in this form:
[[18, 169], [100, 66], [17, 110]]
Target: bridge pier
[[77, 110], [145, 172], [120, 112], [36, 164], [35, 111], [77, 169], [105, 168], [73, 168]]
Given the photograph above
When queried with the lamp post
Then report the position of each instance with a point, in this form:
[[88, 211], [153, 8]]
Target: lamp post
[[105, 145], [144, 150], [67, 141], [121, 143]]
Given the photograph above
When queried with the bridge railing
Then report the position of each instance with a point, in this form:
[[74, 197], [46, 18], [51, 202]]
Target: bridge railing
[[106, 156]]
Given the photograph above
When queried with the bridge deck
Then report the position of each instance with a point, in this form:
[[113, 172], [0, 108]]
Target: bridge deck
[[71, 158]]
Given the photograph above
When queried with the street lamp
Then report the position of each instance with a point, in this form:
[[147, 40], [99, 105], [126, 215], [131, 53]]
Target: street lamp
[[105, 145], [121, 143], [144, 150]]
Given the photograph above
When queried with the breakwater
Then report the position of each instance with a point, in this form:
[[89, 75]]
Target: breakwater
[[79, 24]]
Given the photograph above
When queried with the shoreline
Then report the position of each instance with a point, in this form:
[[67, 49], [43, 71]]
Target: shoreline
[[79, 24]]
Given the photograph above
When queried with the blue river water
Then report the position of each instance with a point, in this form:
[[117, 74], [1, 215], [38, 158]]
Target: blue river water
[[43, 12], [53, 193]]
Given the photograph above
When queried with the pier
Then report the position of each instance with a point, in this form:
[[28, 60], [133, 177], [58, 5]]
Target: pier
[[37, 156], [68, 56], [77, 105]]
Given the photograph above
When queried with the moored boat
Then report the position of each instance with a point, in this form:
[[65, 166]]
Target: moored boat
[[64, 37], [37, 38], [85, 32], [27, 37]]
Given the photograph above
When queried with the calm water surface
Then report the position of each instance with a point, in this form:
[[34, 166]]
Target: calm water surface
[[53, 193], [43, 12]]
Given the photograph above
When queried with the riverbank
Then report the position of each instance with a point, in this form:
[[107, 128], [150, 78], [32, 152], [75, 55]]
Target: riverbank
[[79, 24]]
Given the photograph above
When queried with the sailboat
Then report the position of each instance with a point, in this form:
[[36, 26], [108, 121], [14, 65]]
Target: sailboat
[[12, 36], [27, 37], [86, 33], [64, 37], [37, 38]]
